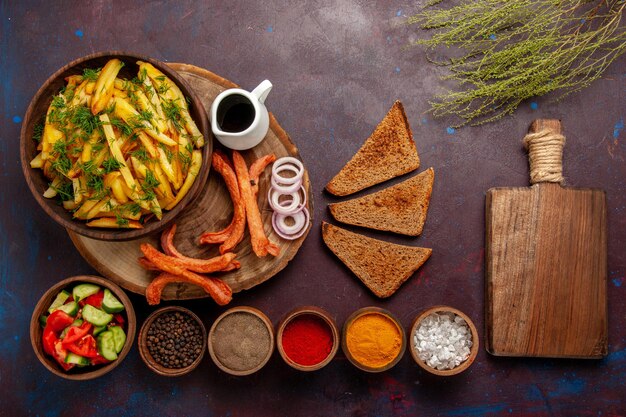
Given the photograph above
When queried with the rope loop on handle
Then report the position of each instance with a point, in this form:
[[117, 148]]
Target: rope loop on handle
[[545, 156]]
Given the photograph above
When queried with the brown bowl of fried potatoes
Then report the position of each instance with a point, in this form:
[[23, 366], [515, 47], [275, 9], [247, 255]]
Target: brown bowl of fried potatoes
[[114, 145]]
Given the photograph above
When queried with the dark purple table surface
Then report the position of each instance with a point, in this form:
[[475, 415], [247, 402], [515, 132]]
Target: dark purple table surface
[[337, 66]]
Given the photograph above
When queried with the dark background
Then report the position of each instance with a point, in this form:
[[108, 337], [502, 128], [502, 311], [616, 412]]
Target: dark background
[[337, 66]]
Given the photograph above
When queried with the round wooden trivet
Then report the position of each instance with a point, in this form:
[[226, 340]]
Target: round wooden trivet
[[212, 210]]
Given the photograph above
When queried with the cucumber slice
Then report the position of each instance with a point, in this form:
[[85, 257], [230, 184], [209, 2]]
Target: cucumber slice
[[110, 303], [96, 316], [106, 345], [70, 308], [43, 320], [98, 329], [60, 299], [119, 337], [75, 323], [76, 359], [84, 290]]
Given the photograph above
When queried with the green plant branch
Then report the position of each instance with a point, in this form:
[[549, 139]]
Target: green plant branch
[[504, 52]]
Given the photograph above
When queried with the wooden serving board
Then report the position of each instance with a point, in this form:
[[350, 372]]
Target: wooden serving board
[[546, 270], [212, 210]]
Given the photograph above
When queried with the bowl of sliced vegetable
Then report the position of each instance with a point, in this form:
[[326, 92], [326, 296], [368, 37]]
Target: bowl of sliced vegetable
[[82, 327], [114, 145]]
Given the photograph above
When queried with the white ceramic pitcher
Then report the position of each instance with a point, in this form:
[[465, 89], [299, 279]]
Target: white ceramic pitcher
[[239, 119]]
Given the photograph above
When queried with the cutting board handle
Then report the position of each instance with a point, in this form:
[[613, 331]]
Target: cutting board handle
[[544, 143]]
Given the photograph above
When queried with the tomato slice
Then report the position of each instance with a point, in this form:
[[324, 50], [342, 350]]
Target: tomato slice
[[94, 300], [85, 347], [99, 359], [119, 318], [75, 333], [59, 320], [60, 354], [49, 339]]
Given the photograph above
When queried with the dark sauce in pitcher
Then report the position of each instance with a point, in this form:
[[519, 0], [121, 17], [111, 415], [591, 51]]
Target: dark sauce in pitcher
[[235, 113]]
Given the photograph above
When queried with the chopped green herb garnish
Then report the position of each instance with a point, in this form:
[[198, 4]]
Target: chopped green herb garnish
[[168, 152], [89, 167], [58, 102], [173, 113], [84, 120], [62, 163], [65, 191], [150, 180], [185, 160], [122, 126], [122, 222], [91, 74], [148, 185], [145, 115], [149, 90], [97, 147], [69, 93], [38, 132], [96, 183], [163, 87], [111, 164], [133, 208], [109, 205], [141, 154]]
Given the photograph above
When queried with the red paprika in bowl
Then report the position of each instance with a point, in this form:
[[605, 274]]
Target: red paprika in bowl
[[307, 338]]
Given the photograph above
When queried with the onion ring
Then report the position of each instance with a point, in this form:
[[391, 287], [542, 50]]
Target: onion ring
[[284, 207], [293, 236], [287, 188], [298, 219], [287, 160], [287, 180]]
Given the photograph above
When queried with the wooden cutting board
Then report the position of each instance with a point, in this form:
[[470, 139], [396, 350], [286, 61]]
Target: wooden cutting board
[[212, 210], [546, 263]]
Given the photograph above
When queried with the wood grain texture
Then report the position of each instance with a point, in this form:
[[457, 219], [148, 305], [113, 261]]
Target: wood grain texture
[[212, 210], [546, 272]]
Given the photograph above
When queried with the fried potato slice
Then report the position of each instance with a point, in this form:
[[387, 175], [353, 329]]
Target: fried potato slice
[[194, 169], [103, 90], [113, 223]]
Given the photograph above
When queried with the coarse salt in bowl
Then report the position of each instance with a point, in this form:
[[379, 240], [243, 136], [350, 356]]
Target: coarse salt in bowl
[[443, 341]]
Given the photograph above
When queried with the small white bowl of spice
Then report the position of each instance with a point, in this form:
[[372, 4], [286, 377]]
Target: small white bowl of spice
[[443, 341]]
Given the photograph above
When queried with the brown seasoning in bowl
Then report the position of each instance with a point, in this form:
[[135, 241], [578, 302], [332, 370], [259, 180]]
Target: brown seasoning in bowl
[[241, 341]]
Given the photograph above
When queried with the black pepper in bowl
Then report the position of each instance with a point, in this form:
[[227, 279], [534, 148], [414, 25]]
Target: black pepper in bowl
[[173, 341]]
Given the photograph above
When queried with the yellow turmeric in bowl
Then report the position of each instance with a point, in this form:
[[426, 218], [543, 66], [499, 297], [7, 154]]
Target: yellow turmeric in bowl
[[374, 340]]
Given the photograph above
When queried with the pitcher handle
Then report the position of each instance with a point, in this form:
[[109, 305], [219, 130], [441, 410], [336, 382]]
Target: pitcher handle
[[262, 90]]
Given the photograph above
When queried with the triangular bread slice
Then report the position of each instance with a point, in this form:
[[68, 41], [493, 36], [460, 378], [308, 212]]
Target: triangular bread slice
[[387, 153], [401, 208], [382, 266]]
